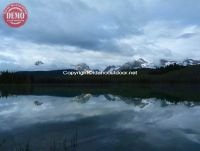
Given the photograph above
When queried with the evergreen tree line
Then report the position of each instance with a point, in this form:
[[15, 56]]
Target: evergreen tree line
[[170, 74]]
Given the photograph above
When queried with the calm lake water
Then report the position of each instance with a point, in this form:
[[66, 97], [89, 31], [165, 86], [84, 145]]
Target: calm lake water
[[100, 119]]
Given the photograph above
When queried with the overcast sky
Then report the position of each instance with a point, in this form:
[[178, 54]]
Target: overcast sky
[[100, 32]]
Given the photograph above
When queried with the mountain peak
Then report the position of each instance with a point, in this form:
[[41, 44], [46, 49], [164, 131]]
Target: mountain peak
[[136, 64], [141, 60], [81, 67], [37, 63]]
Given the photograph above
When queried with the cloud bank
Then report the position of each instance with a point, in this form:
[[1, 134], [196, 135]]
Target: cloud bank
[[100, 33]]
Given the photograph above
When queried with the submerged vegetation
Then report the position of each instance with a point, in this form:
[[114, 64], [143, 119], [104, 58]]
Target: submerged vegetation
[[55, 145]]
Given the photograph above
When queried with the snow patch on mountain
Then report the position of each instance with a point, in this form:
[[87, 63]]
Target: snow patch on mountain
[[112, 68]]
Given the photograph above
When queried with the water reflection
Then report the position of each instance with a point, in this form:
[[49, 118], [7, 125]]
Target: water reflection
[[106, 121]]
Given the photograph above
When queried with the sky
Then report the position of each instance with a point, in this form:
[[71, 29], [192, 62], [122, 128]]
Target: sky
[[62, 33]]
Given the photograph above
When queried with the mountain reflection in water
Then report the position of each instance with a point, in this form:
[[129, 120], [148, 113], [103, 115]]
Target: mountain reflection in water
[[104, 122]]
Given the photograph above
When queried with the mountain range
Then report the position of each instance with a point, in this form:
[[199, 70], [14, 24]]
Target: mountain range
[[135, 64]]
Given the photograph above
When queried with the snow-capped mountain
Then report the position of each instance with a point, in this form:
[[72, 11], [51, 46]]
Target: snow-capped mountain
[[136, 64], [81, 67], [141, 63], [189, 62], [37, 63]]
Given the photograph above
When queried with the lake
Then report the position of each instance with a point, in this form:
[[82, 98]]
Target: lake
[[100, 118]]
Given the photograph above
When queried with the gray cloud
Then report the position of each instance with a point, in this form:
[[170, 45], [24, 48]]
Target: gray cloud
[[75, 23], [6, 59], [187, 35]]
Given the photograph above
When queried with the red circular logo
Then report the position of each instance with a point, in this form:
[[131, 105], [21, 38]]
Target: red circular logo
[[15, 15]]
